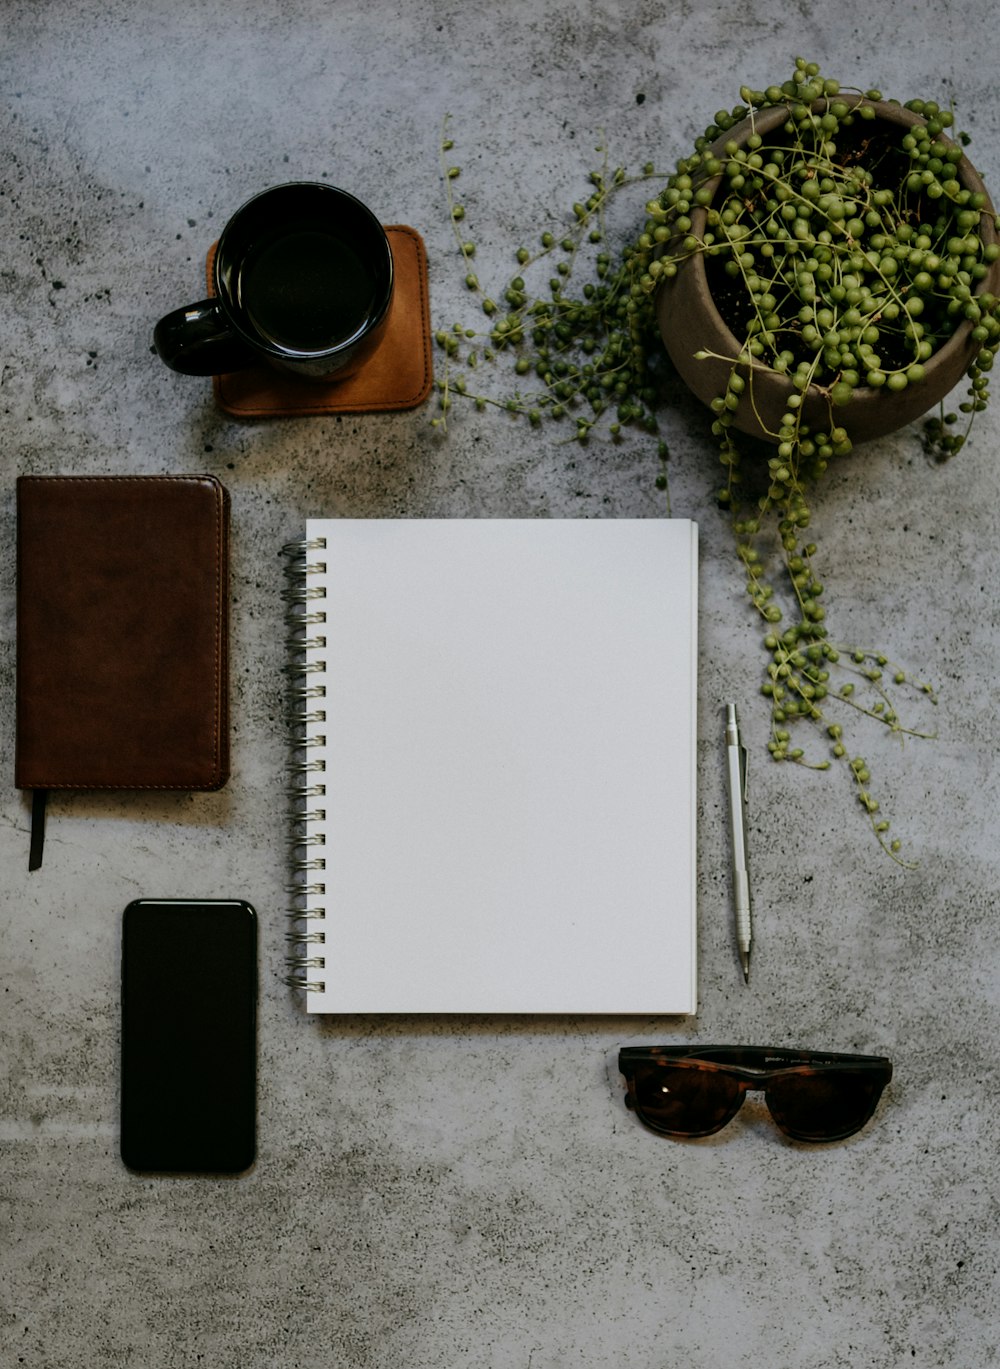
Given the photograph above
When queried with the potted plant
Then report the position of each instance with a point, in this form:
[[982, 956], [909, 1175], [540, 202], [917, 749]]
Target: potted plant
[[846, 243], [822, 269]]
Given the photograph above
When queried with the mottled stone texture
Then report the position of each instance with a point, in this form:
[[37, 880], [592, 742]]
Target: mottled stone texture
[[449, 1194]]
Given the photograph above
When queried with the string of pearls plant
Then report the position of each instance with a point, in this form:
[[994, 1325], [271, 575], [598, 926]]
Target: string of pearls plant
[[590, 358], [840, 261]]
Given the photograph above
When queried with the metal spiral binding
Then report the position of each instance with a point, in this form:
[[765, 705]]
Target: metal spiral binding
[[304, 712]]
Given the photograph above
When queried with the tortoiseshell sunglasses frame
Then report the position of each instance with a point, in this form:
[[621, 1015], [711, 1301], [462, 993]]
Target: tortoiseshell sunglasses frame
[[750, 1068]]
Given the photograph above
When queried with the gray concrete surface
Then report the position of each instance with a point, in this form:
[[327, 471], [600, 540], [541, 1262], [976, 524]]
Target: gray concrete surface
[[438, 1193]]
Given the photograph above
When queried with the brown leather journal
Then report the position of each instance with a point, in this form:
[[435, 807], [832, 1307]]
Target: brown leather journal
[[122, 635]]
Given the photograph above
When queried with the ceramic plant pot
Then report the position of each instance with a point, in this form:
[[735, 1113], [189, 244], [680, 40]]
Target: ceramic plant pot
[[690, 322]]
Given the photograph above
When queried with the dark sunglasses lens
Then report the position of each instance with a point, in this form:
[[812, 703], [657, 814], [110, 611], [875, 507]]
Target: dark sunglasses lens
[[825, 1106], [684, 1100]]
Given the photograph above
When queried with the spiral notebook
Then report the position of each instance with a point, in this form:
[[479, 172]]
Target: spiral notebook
[[492, 729]]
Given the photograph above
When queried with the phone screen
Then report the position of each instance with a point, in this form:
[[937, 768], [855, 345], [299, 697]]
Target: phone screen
[[189, 1036]]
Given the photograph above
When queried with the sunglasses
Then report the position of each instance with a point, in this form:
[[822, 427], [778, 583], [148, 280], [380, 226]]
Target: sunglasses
[[693, 1091]]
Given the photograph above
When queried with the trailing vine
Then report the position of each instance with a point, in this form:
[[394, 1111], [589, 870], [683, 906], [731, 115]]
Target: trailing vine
[[587, 359], [841, 258]]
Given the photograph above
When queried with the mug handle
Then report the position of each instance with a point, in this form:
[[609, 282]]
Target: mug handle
[[197, 341]]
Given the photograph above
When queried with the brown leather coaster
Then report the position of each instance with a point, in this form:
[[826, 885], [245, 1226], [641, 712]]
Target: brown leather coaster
[[398, 376]]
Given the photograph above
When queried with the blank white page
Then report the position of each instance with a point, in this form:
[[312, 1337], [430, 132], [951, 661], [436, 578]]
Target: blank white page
[[509, 766]]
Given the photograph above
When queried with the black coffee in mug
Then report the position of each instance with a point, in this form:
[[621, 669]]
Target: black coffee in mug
[[303, 277], [307, 289]]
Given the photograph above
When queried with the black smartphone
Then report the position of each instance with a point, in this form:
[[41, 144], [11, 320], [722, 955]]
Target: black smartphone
[[189, 1036]]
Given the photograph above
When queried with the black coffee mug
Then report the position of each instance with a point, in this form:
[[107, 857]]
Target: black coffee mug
[[303, 281]]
